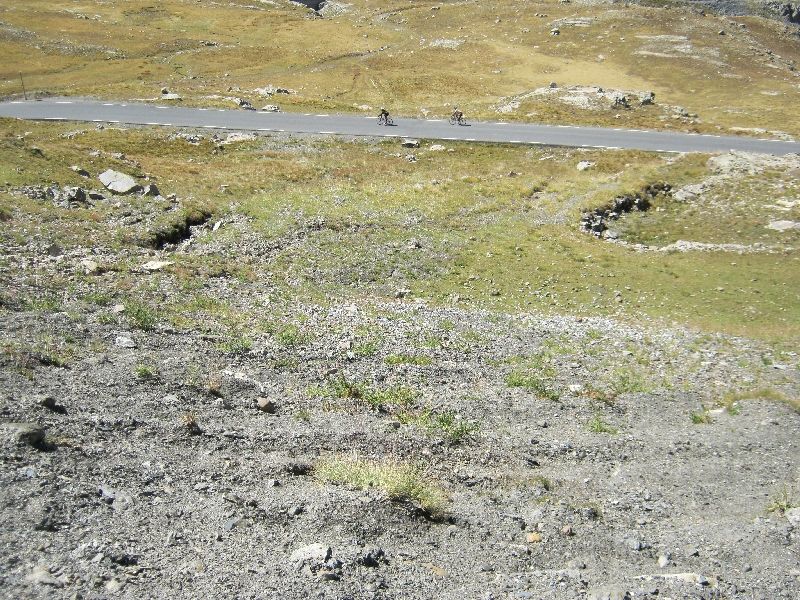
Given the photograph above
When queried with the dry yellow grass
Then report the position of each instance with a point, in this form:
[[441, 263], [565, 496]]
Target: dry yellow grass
[[398, 55]]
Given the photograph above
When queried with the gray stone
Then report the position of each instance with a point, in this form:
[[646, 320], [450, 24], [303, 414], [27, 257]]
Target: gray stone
[[90, 267], [119, 183], [79, 171], [151, 190], [42, 576], [410, 143], [313, 556], [783, 225], [663, 561], [172, 97], [28, 434], [266, 405], [123, 341]]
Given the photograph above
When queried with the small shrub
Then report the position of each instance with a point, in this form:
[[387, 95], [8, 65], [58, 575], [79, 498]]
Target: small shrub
[[401, 482], [366, 348], [732, 399], [626, 381], [302, 415]]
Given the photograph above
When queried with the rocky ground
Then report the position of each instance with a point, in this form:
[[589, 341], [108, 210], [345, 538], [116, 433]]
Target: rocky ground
[[537, 457]]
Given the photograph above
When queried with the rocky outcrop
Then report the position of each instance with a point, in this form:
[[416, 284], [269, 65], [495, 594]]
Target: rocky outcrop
[[595, 221]]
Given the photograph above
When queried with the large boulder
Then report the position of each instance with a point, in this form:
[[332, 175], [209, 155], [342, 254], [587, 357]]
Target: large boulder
[[119, 183]]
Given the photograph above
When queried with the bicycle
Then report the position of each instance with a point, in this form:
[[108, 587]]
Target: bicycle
[[457, 120], [385, 120]]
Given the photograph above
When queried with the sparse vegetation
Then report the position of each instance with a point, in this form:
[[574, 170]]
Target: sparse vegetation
[[782, 500], [445, 423], [701, 417], [400, 481], [598, 425], [408, 359], [532, 384], [146, 372], [141, 315]]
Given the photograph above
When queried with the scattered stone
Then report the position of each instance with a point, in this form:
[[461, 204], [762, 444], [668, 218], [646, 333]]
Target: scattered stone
[[123, 341], [567, 531], [171, 97], [51, 404], [90, 267], [663, 561], [408, 143], [118, 309], [313, 556], [266, 405], [271, 108], [156, 265], [295, 511], [79, 171], [783, 225], [533, 537], [119, 183], [151, 190], [436, 148], [28, 434], [584, 165]]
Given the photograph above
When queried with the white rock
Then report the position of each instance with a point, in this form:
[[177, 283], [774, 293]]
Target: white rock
[[117, 182], [156, 265], [89, 266], [311, 554], [783, 225], [123, 341], [584, 164], [436, 148], [271, 108]]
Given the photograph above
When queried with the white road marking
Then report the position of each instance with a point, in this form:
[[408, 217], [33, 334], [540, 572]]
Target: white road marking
[[515, 142], [322, 115], [327, 132], [63, 102], [435, 120], [502, 123], [108, 104], [469, 139], [16, 102]]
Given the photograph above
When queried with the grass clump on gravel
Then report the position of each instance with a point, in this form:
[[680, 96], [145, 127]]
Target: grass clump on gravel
[[445, 423], [400, 481], [598, 425], [532, 384]]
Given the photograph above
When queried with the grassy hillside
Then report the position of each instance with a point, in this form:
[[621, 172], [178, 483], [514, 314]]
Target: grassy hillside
[[416, 58]]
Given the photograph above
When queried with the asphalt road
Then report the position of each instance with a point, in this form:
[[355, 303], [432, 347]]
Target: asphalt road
[[438, 129]]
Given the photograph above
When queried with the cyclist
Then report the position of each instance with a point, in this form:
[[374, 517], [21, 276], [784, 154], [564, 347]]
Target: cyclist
[[383, 118], [457, 116]]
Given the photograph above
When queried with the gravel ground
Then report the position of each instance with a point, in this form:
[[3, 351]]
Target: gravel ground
[[122, 499]]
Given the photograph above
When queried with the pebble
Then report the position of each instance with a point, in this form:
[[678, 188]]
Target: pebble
[[29, 434], [266, 405]]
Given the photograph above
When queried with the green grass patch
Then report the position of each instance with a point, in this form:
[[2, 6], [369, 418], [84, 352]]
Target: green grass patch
[[400, 481]]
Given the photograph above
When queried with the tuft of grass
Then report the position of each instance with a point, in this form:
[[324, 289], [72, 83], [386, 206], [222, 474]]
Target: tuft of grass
[[627, 381], [598, 425], [400, 481], [145, 372], [303, 415], [782, 500], [380, 399], [408, 359], [366, 348], [532, 384], [445, 423], [236, 344], [701, 417], [141, 315]]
